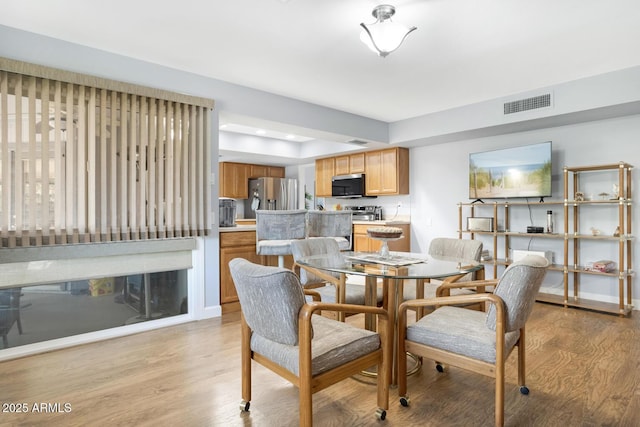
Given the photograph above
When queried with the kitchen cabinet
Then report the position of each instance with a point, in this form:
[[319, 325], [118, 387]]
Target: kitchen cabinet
[[325, 171], [234, 180], [363, 243], [235, 244], [260, 171], [577, 237], [275, 172], [387, 171], [234, 177], [240, 244], [349, 164]]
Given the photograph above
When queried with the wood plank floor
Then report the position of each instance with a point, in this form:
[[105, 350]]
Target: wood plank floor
[[583, 370]]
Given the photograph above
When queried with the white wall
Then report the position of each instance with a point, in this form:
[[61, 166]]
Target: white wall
[[438, 180]]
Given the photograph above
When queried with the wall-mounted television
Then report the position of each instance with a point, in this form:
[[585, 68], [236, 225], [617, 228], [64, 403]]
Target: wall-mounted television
[[513, 172]]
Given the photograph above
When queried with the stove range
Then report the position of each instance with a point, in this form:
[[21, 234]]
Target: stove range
[[365, 213]]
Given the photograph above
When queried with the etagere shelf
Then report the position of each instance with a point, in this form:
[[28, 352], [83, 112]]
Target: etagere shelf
[[571, 235]]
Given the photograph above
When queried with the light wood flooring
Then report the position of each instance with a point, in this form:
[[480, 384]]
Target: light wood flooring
[[583, 370]]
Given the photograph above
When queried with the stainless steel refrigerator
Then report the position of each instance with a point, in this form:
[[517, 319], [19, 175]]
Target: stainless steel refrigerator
[[271, 194]]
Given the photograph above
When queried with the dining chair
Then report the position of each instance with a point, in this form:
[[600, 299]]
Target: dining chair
[[473, 340], [332, 287], [285, 334], [446, 247], [335, 224], [276, 229]]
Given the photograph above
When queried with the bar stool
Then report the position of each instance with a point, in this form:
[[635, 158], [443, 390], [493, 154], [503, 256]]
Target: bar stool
[[335, 224], [275, 229]]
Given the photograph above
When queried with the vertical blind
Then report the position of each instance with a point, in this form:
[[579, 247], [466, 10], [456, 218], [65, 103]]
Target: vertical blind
[[82, 163]]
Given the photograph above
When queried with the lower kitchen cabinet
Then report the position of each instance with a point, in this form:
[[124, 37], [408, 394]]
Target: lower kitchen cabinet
[[239, 244]]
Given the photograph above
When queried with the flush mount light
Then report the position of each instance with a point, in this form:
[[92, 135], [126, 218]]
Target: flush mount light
[[384, 36]]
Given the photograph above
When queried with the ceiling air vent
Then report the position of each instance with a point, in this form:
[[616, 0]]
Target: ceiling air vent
[[527, 104], [357, 142]]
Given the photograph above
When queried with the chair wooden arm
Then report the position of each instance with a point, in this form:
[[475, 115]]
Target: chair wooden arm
[[320, 273], [383, 356], [311, 307], [451, 300], [444, 289], [315, 295]]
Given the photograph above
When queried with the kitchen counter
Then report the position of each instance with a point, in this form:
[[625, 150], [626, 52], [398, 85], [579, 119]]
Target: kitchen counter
[[238, 227], [382, 222], [252, 227]]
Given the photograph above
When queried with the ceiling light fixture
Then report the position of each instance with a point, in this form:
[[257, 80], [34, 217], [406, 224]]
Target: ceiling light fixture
[[384, 36]]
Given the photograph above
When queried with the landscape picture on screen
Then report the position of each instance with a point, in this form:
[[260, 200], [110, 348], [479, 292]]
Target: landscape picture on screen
[[511, 172]]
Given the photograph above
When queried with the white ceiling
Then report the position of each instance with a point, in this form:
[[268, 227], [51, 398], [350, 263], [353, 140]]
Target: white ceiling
[[464, 51]]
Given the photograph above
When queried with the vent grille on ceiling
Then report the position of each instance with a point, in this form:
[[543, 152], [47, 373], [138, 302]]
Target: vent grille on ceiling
[[357, 142], [527, 104]]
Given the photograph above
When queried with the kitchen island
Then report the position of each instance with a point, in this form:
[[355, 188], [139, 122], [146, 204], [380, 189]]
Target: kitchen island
[[240, 242]]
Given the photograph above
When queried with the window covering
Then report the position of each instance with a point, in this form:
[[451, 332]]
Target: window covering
[[85, 159]]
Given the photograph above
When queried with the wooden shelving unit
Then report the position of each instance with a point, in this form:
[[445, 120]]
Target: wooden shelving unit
[[622, 206], [570, 235]]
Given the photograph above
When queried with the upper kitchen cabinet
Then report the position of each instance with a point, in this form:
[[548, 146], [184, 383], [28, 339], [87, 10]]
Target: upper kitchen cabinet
[[353, 163], [234, 180], [260, 171], [387, 171], [325, 171], [234, 177]]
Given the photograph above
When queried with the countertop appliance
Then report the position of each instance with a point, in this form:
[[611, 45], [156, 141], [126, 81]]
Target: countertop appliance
[[271, 194], [365, 213], [227, 212], [348, 186]]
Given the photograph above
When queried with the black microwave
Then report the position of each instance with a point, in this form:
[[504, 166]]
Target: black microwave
[[348, 186]]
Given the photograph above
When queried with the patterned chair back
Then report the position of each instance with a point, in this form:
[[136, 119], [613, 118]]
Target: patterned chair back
[[270, 299], [518, 288]]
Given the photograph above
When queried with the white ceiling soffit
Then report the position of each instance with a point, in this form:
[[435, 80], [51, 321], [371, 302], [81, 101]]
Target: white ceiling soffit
[[263, 132], [463, 52]]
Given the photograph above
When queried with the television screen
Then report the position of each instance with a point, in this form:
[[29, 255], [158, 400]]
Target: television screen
[[511, 172]]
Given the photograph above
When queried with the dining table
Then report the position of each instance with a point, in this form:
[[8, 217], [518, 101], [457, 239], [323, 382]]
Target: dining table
[[392, 270]]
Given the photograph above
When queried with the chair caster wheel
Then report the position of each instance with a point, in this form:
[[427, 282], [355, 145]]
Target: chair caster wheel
[[439, 367], [381, 414], [404, 401], [244, 406], [524, 390]]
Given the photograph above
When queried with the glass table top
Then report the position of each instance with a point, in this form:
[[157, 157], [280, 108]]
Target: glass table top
[[400, 265]]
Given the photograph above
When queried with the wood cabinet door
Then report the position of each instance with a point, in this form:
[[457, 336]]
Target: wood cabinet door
[[342, 165], [360, 243], [234, 180], [259, 171], [325, 170], [227, 288], [356, 163], [275, 172], [389, 171], [373, 174]]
